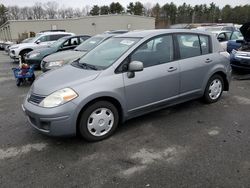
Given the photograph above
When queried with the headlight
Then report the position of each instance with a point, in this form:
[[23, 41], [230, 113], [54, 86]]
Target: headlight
[[54, 64], [13, 47], [58, 98], [34, 55]]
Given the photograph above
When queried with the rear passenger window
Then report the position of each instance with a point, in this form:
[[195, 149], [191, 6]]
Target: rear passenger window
[[156, 51], [204, 40], [189, 45], [56, 37], [74, 41]]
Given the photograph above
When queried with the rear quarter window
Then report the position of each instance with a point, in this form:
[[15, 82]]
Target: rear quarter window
[[56, 37], [191, 45]]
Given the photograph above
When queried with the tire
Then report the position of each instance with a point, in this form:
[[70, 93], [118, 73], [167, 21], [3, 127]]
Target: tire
[[94, 128], [214, 89], [23, 53], [19, 81]]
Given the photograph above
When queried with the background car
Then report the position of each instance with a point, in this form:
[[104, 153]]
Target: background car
[[225, 36], [240, 59], [59, 59], [126, 76], [65, 43], [40, 40]]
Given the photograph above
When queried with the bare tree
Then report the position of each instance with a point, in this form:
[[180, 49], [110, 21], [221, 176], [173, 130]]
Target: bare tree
[[77, 13], [13, 12], [148, 9], [51, 8], [38, 11], [26, 13]]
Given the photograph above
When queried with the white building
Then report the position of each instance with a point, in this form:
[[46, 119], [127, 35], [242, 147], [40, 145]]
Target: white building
[[12, 30]]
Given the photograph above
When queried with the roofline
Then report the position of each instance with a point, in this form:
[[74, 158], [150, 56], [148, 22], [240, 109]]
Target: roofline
[[79, 18]]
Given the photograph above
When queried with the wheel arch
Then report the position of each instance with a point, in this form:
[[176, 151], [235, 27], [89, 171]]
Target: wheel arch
[[25, 49], [112, 100], [224, 77]]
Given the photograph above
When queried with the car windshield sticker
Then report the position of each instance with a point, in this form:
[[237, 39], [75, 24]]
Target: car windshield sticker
[[127, 42]]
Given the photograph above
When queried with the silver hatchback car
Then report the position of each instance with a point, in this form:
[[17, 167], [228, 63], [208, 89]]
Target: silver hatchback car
[[127, 76]]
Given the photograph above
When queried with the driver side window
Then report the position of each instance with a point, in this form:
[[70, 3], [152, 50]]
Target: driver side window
[[156, 51], [43, 39]]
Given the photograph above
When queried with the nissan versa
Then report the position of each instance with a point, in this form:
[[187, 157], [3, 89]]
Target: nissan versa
[[126, 76]]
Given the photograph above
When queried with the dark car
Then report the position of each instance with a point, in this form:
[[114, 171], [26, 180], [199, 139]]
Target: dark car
[[240, 59], [65, 43], [59, 59]]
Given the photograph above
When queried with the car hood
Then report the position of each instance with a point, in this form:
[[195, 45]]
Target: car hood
[[245, 30], [67, 76], [66, 56], [21, 45], [44, 50]]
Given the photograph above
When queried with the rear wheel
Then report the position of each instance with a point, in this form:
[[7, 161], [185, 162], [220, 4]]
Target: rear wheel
[[98, 121], [214, 89], [19, 81]]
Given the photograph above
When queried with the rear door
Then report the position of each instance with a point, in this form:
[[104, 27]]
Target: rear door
[[196, 59], [159, 81]]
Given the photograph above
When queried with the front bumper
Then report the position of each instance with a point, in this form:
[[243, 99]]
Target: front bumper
[[58, 121]]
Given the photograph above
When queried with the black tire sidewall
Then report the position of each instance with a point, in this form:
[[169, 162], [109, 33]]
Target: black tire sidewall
[[206, 96], [22, 53], [85, 115]]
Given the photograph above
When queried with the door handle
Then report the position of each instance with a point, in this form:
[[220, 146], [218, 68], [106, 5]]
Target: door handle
[[208, 60], [171, 69]]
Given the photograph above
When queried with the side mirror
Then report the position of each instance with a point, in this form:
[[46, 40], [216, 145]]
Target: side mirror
[[38, 41], [134, 66]]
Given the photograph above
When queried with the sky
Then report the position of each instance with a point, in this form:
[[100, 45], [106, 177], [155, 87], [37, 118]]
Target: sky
[[83, 3]]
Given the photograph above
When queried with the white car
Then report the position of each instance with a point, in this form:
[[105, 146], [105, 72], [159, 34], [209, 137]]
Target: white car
[[41, 40], [224, 36]]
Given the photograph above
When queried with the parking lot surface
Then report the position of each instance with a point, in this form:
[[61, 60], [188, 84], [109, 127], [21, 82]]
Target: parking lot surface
[[188, 145]]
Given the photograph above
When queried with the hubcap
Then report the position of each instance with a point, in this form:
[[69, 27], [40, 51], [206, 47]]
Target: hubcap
[[215, 89], [100, 121]]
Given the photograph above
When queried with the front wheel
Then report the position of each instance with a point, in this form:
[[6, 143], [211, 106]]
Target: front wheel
[[214, 89], [98, 121]]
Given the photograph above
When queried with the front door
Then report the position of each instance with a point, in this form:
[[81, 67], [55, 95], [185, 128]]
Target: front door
[[159, 81]]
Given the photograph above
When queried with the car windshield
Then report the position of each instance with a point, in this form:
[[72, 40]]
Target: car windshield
[[28, 40], [36, 37], [58, 43], [89, 44], [107, 52]]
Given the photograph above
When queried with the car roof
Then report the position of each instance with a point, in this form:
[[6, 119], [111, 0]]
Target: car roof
[[56, 33], [222, 31], [70, 36], [155, 32]]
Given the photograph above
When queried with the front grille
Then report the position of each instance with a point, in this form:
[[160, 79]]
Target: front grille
[[35, 98]]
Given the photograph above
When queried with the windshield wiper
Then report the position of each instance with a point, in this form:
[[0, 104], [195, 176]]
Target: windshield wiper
[[83, 65], [87, 66]]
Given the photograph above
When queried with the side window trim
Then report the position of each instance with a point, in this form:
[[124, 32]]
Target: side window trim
[[177, 47], [127, 60], [209, 43]]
